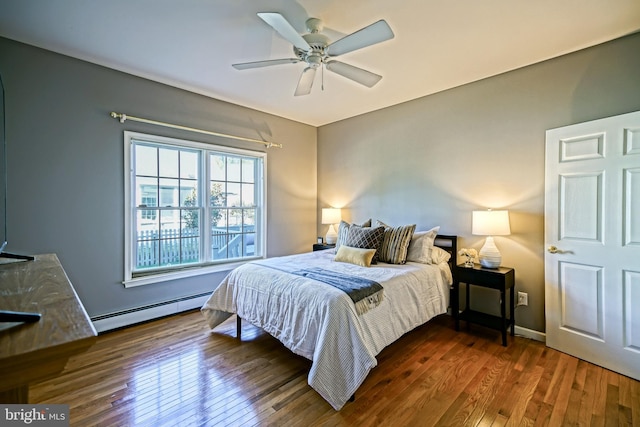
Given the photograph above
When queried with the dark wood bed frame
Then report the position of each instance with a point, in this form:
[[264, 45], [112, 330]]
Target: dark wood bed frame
[[447, 242]]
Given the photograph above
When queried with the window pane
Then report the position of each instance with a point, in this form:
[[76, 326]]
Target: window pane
[[233, 169], [233, 194], [234, 247], [147, 229], [235, 219], [248, 170], [168, 162], [189, 193], [146, 191], [219, 246], [191, 221], [147, 254], [190, 250], [217, 166], [169, 252], [146, 160], [249, 244], [169, 223], [146, 241], [219, 219], [190, 234], [218, 233], [248, 195], [189, 162], [248, 220], [217, 197], [169, 192]]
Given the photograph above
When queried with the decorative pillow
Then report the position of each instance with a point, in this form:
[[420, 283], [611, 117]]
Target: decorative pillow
[[395, 243], [439, 255], [421, 244], [365, 238], [343, 231], [355, 256]]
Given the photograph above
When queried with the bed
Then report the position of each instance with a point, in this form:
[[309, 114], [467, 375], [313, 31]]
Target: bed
[[320, 322]]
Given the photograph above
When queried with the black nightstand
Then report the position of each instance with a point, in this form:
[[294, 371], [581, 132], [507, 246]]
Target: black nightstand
[[322, 246], [501, 278]]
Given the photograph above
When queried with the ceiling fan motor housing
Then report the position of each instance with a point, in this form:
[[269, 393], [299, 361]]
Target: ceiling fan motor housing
[[316, 56]]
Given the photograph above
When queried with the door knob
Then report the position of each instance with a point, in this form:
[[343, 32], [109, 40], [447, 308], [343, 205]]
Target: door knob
[[553, 250]]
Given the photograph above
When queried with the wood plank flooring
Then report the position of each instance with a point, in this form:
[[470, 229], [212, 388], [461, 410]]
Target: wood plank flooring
[[176, 372]]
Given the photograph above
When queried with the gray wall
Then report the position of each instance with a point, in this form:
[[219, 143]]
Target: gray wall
[[66, 178], [433, 160], [430, 161]]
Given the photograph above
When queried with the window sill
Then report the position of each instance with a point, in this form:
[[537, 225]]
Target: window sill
[[181, 274]]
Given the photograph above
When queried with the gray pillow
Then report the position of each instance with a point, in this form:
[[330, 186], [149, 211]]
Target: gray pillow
[[366, 238], [343, 231]]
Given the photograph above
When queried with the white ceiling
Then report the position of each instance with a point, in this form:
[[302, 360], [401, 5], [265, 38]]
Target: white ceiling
[[438, 44]]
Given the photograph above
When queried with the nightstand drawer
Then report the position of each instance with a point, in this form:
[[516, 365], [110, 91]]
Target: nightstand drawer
[[496, 278]]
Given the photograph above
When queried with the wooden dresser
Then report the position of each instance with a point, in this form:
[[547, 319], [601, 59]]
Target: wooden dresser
[[33, 352]]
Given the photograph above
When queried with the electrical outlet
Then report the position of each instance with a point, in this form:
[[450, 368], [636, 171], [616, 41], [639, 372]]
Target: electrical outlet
[[523, 298]]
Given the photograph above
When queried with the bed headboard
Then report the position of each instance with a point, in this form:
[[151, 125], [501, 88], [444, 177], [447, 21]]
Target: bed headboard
[[449, 244]]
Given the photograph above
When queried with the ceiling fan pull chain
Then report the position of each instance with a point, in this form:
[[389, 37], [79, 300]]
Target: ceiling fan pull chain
[[322, 76]]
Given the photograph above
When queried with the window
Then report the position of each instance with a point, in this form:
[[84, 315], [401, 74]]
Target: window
[[190, 207]]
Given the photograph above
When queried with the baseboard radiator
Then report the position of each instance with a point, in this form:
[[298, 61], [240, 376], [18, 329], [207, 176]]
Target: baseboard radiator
[[120, 319]]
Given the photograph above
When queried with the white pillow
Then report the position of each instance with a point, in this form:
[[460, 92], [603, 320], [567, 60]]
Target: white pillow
[[439, 255], [421, 244]]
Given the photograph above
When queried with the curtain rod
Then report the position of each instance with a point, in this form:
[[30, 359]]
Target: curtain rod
[[123, 117]]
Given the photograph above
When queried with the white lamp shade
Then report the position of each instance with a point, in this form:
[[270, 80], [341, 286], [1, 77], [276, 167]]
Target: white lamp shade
[[490, 223], [331, 215]]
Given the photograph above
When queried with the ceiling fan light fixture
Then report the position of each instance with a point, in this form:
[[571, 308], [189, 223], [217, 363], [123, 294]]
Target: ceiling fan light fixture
[[314, 60]]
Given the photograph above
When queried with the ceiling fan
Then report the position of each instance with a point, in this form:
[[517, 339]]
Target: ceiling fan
[[315, 50]]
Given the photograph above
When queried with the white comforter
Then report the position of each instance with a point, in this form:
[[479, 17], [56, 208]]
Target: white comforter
[[319, 322]]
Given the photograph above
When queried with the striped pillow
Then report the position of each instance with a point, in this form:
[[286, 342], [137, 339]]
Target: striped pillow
[[395, 243]]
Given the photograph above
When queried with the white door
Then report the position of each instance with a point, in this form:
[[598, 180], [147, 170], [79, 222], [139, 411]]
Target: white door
[[592, 239]]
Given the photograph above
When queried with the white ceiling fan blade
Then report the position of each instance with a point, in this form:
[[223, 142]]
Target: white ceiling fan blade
[[367, 36], [267, 63], [285, 29], [305, 82], [364, 77]]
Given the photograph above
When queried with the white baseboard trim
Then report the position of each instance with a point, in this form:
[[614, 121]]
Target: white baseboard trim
[[121, 319], [530, 333], [523, 332]]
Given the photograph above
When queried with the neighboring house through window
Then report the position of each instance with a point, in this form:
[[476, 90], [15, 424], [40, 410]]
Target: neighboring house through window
[[190, 207]]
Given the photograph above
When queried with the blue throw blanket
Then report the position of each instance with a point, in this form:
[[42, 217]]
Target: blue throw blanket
[[365, 293]]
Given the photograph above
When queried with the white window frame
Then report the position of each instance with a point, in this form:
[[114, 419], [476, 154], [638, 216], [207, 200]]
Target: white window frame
[[208, 266]]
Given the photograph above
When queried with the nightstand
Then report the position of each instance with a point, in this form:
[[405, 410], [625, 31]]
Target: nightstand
[[502, 279], [322, 246]]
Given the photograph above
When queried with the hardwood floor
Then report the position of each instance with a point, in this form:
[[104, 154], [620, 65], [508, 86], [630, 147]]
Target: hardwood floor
[[176, 372]]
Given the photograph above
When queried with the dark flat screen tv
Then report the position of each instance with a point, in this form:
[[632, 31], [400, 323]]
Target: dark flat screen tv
[[4, 224], [3, 173], [7, 316]]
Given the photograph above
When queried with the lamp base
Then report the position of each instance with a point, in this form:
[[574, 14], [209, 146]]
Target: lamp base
[[332, 235], [489, 255]]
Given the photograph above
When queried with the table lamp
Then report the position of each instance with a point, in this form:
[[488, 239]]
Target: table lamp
[[490, 223], [331, 216]]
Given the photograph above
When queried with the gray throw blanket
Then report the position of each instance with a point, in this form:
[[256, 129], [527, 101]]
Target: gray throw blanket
[[365, 293]]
